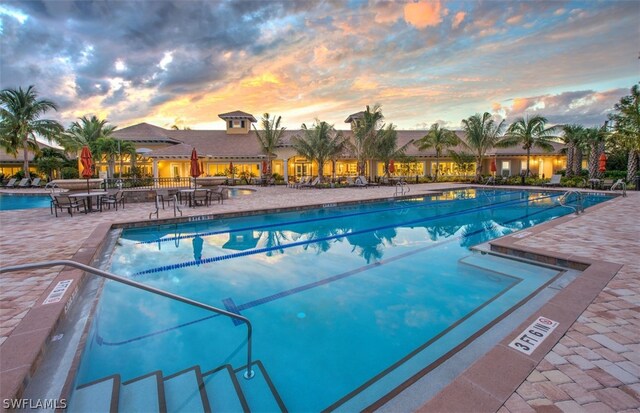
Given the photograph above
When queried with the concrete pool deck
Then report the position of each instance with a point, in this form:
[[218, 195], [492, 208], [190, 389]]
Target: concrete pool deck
[[595, 365]]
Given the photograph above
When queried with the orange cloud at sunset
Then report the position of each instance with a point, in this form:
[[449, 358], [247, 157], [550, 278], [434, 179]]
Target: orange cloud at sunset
[[423, 14], [458, 18]]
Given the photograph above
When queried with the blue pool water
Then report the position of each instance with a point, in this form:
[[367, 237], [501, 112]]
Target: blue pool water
[[347, 303], [235, 192], [17, 201]]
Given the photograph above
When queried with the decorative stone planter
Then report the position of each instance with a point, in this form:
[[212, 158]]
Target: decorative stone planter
[[211, 180], [78, 184]]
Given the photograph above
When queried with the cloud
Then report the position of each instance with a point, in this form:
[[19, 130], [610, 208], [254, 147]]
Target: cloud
[[423, 14], [457, 19], [587, 107]]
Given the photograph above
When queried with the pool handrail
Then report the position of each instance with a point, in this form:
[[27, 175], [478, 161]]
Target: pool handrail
[[52, 263]]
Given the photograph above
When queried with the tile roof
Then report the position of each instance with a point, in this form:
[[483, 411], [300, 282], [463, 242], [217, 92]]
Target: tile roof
[[219, 144], [354, 116], [238, 114]]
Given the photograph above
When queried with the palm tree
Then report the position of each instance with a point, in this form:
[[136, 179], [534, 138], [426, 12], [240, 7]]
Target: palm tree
[[482, 133], [386, 147], [49, 161], [20, 122], [438, 138], [86, 132], [109, 148], [270, 137], [594, 139], [320, 143], [366, 135], [627, 128], [529, 132], [571, 136]]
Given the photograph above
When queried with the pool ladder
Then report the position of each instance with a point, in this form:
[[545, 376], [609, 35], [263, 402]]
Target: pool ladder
[[620, 183], [53, 263], [562, 201], [402, 188], [176, 208]]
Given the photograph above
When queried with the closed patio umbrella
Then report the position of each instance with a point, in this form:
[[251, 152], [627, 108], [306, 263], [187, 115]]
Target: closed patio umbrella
[[196, 171], [602, 162], [392, 166], [493, 166], [264, 167], [87, 164]]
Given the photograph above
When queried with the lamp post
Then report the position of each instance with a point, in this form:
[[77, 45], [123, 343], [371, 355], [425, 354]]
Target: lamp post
[[120, 158]]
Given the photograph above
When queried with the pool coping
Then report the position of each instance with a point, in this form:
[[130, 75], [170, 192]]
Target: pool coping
[[25, 348], [477, 388]]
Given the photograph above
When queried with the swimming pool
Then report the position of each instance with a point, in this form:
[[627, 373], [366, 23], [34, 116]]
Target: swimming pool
[[19, 201], [347, 302], [236, 192]]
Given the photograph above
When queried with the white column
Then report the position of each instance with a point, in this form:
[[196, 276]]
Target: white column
[[155, 168], [425, 171], [286, 171]]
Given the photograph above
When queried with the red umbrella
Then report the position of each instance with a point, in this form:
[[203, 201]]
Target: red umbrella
[[264, 167], [602, 162], [87, 164], [196, 171], [493, 166], [392, 166]]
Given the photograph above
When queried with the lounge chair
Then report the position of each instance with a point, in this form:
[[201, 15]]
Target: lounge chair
[[36, 183], [303, 181], [554, 181], [63, 202], [11, 183], [115, 199], [365, 182], [313, 184], [24, 183]]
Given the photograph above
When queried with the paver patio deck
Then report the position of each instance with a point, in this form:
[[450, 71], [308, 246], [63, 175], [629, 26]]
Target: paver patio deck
[[594, 367]]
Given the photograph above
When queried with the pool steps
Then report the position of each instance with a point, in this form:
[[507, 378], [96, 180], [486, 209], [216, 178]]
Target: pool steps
[[219, 390]]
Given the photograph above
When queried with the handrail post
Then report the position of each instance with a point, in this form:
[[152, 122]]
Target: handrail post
[[53, 263]]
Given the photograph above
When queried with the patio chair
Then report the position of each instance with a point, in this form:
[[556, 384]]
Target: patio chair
[[24, 183], [115, 199], [606, 183], [11, 183], [200, 197], [63, 202], [218, 194], [36, 183], [554, 181], [164, 195], [361, 182]]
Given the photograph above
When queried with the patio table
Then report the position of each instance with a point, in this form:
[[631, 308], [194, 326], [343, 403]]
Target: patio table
[[89, 197]]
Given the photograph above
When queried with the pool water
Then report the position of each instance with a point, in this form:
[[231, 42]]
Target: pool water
[[17, 201], [236, 192], [347, 303]]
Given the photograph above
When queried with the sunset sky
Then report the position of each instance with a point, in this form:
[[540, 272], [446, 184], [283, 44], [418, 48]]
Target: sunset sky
[[184, 62]]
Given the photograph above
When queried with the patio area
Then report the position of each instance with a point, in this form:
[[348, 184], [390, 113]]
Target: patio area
[[594, 367]]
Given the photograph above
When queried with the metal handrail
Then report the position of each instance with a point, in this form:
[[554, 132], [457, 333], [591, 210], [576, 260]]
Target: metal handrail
[[562, 200], [622, 184], [45, 264], [401, 186]]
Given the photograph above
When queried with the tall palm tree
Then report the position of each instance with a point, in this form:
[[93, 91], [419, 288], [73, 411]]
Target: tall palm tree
[[627, 128], [482, 133], [20, 123], [320, 143], [366, 135], [594, 139], [571, 136], [270, 137], [438, 138], [109, 148], [529, 132]]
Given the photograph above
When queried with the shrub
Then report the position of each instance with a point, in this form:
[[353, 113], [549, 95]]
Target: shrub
[[70, 173]]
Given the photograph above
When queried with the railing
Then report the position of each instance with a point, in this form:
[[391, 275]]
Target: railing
[[620, 183], [402, 188], [147, 183], [46, 264], [562, 201], [176, 208]]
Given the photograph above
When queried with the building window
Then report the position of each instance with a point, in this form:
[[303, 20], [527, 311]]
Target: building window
[[242, 124], [230, 124], [505, 170]]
